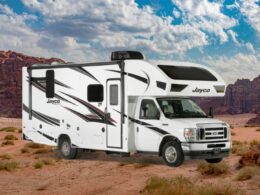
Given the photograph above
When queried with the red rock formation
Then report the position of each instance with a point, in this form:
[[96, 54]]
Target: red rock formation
[[254, 121], [241, 97], [11, 82]]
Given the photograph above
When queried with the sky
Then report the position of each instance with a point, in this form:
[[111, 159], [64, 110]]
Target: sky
[[221, 34]]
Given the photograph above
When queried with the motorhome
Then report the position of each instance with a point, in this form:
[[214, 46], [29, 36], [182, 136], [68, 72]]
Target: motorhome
[[125, 106]]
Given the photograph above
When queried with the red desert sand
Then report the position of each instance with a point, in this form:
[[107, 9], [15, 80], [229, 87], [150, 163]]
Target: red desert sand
[[97, 173]]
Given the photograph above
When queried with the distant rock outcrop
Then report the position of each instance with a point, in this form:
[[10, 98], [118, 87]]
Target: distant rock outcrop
[[241, 97], [254, 121], [11, 64]]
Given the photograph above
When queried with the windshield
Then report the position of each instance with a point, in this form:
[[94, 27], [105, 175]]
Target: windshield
[[180, 108]]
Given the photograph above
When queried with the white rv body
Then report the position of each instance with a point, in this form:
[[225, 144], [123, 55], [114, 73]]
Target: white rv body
[[114, 123]]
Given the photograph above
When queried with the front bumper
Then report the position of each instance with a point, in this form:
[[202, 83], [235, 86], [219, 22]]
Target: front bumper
[[206, 150]]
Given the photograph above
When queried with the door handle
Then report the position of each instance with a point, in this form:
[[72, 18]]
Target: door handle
[[137, 129]]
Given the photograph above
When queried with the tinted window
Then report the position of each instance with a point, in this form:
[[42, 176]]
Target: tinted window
[[50, 91], [113, 95], [95, 93], [187, 73], [149, 110]]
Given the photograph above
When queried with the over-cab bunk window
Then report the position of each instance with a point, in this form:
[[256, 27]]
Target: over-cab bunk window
[[187, 73], [95, 93]]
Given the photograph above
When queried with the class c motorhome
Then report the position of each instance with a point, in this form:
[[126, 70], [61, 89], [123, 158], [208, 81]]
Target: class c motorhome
[[126, 105]]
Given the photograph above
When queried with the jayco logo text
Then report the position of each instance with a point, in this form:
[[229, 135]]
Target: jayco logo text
[[197, 90]]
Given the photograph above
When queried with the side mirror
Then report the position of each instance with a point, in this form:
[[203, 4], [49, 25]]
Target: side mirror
[[211, 115]]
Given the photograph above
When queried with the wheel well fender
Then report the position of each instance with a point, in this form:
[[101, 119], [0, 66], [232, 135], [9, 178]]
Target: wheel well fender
[[166, 139]]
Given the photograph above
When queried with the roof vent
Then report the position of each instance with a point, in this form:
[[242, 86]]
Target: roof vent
[[126, 55]]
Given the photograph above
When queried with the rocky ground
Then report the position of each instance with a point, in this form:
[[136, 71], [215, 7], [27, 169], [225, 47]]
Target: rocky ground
[[41, 171]]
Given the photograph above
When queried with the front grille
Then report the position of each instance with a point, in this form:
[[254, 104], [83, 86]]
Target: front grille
[[213, 133]]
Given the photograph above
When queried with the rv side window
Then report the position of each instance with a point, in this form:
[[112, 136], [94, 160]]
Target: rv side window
[[95, 93], [113, 95], [149, 110], [50, 91]]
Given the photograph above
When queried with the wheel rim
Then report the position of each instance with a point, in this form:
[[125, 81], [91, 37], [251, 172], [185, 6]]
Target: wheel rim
[[171, 154], [65, 148]]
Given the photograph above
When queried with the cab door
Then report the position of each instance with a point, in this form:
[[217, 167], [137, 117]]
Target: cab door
[[113, 108], [146, 135]]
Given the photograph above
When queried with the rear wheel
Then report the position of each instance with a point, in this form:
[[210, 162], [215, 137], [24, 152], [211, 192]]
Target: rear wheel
[[214, 160], [172, 154], [65, 149]]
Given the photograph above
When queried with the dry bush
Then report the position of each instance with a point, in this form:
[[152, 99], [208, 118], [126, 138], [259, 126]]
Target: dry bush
[[213, 169], [25, 150], [34, 145], [180, 185], [254, 142], [5, 156], [258, 129], [8, 166], [141, 165], [8, 129], [40, 163], [248, 173], [42, 150], [20, 130], [232, 127], [233, 133], [7, 142], [10, 137], [121, 164], [239, 147]]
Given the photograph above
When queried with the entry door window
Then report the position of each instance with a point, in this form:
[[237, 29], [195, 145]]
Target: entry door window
[[149, 110], [113, 95]]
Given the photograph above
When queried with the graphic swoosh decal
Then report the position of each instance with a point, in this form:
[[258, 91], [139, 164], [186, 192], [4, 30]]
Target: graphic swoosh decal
[[84, 71], [142, 79], [92, 109], [42, 117], [147, 125]]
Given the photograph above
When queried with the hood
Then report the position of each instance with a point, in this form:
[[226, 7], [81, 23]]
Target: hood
[[192, 122]]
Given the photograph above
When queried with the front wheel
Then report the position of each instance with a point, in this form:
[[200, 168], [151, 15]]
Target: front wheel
[[65, 149], [214, 160], [172, 154]]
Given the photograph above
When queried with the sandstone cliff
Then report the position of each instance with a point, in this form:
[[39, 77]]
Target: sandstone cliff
[[11, 82]]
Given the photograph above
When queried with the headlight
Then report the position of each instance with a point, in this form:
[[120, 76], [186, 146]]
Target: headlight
[[190, 134]]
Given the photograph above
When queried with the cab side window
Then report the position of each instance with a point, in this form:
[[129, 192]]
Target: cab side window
[[149, 110]]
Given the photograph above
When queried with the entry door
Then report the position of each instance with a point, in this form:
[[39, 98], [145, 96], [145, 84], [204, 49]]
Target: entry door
[[114, 133]]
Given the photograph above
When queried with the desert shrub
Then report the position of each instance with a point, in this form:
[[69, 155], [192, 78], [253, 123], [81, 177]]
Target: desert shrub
[[20, 130], [7, 142], [141, 165], [213, 169], [40, 163], [233, 133], [8, 129], [248, 173], [180, 185], [258, 129], [42, 150], [231, 126], [10, 137], [240, 149], [5, 156], [25, 150], [8, 166], [34, 145], [254, 142]]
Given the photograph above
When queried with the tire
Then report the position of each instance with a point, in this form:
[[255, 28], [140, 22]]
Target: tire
[[172, 154], [65, 149], [214, 160]]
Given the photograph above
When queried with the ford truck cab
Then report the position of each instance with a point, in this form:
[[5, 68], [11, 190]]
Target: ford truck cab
[[188, 133]]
